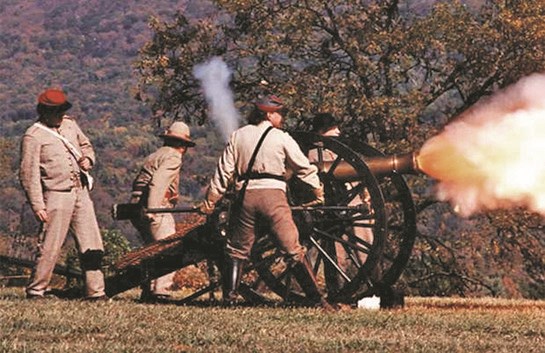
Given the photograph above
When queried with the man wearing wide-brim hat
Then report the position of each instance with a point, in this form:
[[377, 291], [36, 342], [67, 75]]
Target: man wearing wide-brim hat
[[55, 157], [157, 186]]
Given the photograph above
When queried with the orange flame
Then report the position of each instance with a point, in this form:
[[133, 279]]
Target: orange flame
[[493, 155]]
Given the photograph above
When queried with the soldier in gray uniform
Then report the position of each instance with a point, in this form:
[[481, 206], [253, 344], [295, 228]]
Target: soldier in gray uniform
[[264, 196], [156, 186], [55, 155]]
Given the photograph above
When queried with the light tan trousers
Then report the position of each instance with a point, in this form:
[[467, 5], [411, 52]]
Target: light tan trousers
[[162, 226], [67, 211], [363, 233]]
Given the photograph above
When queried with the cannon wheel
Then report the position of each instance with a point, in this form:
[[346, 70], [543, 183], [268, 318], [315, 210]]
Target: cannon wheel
[[327, 232], [344, 263], [401, 212]]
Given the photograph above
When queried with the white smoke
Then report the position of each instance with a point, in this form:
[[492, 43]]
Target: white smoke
[[214, 76], [500, 142]]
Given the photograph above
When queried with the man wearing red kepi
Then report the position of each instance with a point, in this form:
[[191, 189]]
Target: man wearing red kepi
[[55, 159], [261, 189]]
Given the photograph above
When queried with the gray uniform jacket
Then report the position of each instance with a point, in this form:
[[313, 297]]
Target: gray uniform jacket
[[46, 163], [159, 178]]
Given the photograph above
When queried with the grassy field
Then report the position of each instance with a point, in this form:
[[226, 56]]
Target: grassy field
[[124, 325]]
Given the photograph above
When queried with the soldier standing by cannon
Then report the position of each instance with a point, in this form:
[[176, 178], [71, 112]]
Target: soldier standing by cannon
[[326, 124], [156, 186], [55, 159], [256, 157]]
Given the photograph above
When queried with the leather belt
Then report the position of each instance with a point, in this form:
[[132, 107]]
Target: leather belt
[[255, 175]]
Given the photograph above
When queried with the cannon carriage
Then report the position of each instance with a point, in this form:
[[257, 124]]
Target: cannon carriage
[[358, 242]]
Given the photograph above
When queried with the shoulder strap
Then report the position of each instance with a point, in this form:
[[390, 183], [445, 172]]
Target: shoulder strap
[[254, 154], [246, 176], [89, 180], [66, 142]]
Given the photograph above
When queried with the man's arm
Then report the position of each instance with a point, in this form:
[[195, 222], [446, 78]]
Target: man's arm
[[88, 157], [299, 163], [29, 174], [225, 170]]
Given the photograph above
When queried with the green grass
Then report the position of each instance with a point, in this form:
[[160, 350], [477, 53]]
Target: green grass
[[123, 325]]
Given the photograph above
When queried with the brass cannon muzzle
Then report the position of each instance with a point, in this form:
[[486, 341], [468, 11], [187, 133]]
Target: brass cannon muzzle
[[380, 166]]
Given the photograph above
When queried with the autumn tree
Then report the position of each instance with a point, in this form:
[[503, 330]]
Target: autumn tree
[[395, 77]]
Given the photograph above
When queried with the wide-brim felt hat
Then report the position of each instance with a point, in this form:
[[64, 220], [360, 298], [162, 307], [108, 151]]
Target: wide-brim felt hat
[[270, 104], [54, 98], [179, 131]]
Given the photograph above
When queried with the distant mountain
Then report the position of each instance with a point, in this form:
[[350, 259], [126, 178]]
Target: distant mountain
[[88, 47], [423, 6]]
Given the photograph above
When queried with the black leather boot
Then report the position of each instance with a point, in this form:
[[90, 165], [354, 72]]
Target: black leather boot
[[302, 271], [232, 274], [145, 294]]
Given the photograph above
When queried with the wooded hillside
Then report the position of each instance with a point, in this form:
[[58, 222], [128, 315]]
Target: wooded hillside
[[89, 49]]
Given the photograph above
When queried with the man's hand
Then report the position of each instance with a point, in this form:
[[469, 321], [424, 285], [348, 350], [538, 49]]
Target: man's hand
[[319, 198], [209, 204], [205, 207], [41, 216], [85, 163]]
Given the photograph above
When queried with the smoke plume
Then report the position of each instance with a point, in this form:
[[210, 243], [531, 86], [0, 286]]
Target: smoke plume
[[214, 76], [493, 155]]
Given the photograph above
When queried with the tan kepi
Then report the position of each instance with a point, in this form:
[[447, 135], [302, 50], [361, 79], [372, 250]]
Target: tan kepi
[[179, 131]]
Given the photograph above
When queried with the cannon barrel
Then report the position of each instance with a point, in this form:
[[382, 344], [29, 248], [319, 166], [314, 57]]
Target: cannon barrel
[[380, 166]]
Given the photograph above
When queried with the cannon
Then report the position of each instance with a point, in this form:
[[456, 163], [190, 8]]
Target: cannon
[[358, 242]]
